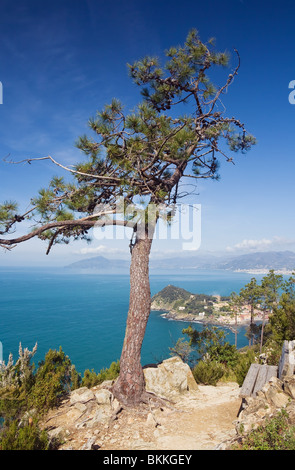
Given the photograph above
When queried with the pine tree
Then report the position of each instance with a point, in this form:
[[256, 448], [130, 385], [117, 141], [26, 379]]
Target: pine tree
[[251, 295], [142, 154]]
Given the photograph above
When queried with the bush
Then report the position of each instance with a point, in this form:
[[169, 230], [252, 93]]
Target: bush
[[28, 437], [277, 434], [91, 379], [53, 379], [243, 365], [208, 372], [211, 343]]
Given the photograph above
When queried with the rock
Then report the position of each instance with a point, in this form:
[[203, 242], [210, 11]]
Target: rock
[[103, 397], [80, 406], [101, 416], [150, 421], [170, 377], [107, 384], [56, 433], [289, 386], [81, 395], [90, 444], [274, 393], [254, 406]]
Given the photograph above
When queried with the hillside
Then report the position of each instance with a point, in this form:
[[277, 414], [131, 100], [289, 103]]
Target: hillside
[[190, 416], [100, 263], [282, 261], [182, 304], [277, 260]]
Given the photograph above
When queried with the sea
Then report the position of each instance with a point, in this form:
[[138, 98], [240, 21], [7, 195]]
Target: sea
[[85, 313]]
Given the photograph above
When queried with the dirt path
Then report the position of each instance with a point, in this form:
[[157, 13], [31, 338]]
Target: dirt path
[[198, 420]]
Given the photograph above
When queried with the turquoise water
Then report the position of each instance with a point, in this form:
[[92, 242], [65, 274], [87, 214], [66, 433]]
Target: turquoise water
[[85, 314]]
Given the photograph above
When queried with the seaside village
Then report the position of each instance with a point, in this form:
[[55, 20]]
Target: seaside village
[[243, 314], [223, 314]]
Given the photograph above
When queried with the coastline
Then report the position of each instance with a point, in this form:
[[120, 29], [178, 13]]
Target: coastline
[[188, 318], [284, 272]]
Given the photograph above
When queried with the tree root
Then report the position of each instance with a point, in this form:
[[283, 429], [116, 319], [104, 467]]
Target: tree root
[[159, 401], [114, 416]]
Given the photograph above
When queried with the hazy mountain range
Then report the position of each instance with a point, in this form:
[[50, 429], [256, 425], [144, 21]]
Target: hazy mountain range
[[258, 261]]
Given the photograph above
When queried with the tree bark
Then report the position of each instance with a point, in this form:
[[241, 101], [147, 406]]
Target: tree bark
[[130, 387]]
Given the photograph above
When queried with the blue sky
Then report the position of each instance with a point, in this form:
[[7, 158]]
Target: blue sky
[[60, 61]]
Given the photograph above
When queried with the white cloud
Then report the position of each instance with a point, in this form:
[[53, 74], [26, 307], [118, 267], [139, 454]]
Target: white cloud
[[98, 249], [262, 244], [250, 245]]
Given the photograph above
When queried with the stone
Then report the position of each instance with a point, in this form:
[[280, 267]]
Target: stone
[[107, 384], [89, 445], [101, 416], [256, 406], [56, 433], [170, 377], [103, 397], [80, 406], [289, 386], [274, 393], [82, 395], [150, 421]]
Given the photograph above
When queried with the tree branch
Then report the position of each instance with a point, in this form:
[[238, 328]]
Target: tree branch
[[64, 224], [76, 172]]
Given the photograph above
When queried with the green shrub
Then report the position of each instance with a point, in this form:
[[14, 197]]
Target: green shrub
[[243, 365], [208, 372], [211, 343], [53, 379], [28, 437], [277, 434], [91, 379]]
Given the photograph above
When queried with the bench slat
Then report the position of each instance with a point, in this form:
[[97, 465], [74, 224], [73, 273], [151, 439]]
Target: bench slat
[[249, 381]]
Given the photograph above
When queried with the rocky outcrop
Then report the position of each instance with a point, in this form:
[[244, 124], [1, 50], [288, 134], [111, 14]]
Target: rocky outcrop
[[169, 378], [86, 415], [274, 396]]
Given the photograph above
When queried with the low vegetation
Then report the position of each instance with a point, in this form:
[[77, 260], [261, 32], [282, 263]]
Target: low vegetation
[[91, 379], [276, 434], [27, 393]]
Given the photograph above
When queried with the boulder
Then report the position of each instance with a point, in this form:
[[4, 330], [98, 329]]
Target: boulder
[[81, 395], [169, 378], [274, 393], [289, 386], [103, 397]]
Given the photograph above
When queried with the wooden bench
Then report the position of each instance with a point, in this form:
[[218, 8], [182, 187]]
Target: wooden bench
[[258, 375]]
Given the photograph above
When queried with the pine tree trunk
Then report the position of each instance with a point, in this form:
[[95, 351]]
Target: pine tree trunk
[[129, 387]]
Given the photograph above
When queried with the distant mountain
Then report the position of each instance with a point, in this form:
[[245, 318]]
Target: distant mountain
[[260, 261], [277, 260], [100, 263], [192, 262]]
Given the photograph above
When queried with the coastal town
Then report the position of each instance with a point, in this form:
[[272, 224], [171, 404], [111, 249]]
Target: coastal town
[[178, 304]]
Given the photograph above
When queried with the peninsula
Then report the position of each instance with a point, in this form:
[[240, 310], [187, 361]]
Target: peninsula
[[181, 305]]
